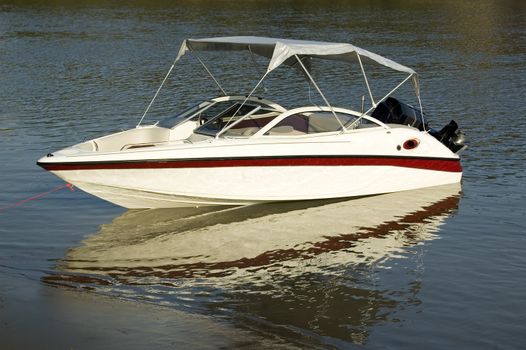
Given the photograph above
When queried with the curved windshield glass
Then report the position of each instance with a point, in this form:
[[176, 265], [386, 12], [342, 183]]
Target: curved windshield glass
[[317, 122], [230, 113], [310, 123], [170, 122]]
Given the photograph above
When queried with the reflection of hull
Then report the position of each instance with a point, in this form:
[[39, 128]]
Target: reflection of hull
[[308, 267], [204, 242]]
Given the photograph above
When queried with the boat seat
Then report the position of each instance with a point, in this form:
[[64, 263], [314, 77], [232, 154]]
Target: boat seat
[[320, 123], [285, 130], [241, 131], [250, 131]]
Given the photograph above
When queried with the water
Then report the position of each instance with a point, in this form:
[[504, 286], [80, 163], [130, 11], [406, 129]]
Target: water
[[441, 268]]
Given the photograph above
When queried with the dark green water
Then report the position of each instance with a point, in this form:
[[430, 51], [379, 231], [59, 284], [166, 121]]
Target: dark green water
[[427, 269]]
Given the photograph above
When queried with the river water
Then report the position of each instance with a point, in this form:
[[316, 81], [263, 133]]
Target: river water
[[435, 268]]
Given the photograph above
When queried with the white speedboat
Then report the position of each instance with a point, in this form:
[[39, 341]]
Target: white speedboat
[[234, 150]]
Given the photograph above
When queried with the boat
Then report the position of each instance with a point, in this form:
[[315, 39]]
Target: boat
[[240, 149]]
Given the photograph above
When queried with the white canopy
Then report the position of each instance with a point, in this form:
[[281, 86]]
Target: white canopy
[[280, 50]]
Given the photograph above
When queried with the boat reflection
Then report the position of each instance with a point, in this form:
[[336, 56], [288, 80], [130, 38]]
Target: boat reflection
[[329, 269]]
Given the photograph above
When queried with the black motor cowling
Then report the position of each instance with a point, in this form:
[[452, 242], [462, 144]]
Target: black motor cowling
[[450, 136], [392, 111]]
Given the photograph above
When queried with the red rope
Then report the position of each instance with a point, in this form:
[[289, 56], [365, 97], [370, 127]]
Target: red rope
[[37, 196]]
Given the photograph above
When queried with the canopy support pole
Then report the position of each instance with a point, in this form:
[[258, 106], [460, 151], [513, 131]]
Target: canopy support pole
[[366, 81], [211, 76], [422, 112], [416, 86], [237, 121], [383, 98], [155, 96], [242, 104], [255, 65], [321, 93], [390, 92]]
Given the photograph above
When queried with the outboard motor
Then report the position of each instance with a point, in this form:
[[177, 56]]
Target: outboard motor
[[450, 136], [392, 111]]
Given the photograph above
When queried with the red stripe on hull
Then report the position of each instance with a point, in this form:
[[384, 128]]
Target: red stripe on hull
[[437, 164]]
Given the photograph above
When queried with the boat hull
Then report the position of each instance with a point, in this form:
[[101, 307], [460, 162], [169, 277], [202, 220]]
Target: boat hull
[[164, 184]]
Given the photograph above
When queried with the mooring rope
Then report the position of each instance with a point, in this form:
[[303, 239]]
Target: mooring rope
[[37, 196]]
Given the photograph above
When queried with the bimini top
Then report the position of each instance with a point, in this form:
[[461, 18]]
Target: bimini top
[[280, 50]]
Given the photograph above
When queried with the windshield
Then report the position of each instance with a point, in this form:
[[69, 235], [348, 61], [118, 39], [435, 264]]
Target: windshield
[[170, 122], [226, 113]]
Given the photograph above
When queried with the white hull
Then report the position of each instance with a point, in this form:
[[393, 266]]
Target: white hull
[[248, 171], [166, 188]]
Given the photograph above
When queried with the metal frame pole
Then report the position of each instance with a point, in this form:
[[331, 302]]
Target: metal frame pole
[[321, 93]]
